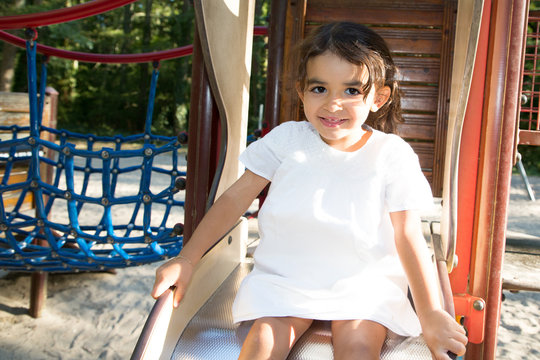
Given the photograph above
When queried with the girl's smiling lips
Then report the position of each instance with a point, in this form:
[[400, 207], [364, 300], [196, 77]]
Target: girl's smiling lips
[[331, 121]]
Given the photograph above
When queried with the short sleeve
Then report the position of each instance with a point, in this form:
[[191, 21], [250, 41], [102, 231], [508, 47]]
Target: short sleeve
[[264, 156], [406, 186]]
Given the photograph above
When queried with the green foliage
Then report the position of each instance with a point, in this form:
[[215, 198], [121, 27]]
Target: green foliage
[[110, 99], [530, 156]]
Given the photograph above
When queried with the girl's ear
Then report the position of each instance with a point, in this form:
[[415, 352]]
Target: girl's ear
[[381, 97], [299, 91]]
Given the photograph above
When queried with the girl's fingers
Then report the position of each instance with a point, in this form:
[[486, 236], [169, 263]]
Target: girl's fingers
[[159, 288], [178, 295], [457, 347]]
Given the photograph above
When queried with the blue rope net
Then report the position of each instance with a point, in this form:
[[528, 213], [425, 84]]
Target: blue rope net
[[87, 218]]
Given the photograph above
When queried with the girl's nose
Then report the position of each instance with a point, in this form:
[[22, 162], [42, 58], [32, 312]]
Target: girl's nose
[[334, 104]]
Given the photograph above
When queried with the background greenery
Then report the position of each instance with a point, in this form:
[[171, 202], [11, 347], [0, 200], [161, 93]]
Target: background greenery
[[110, 99]]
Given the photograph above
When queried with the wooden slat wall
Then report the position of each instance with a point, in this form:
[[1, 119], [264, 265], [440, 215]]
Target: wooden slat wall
[[14, 110], [420, 34]]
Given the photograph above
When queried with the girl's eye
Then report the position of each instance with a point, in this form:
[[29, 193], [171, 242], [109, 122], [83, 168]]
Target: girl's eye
[[352, 91], [318, 89]]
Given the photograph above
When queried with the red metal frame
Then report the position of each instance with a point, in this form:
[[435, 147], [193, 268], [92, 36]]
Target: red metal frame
[[531, 77], [61, 15], [528, 123]]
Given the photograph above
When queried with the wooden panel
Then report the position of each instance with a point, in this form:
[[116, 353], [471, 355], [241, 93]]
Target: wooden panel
[[411, 40], [425, 152], [419, 13], [419, 98], [10, 198], [418, 126], [294, 32], [423, 70], [529, 137], [14, 110]]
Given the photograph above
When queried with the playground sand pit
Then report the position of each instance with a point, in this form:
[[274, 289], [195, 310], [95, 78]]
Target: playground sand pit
[[100, 315]]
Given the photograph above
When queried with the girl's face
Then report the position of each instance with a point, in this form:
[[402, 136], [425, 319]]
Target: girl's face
[[334, 102]]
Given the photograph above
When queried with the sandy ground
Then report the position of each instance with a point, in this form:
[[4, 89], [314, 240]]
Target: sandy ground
[[100, 315]]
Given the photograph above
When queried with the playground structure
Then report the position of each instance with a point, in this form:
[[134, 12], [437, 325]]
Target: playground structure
[[481, 95]]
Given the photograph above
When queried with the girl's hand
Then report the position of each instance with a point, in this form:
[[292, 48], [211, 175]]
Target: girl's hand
[[443, 334], [176, 272]]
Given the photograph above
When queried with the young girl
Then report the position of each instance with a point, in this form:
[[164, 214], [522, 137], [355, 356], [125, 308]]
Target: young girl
[[341, 238]]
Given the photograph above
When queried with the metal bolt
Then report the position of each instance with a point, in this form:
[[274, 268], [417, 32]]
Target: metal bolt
[[105, 201], [147, 198], [524, 99], [73, 232], [67, 195], [34, 184], [87, 169], [3, 227], [118, 140], [110, 240], [31, 141], [115, 171], [147, 137], [40, 222], [105, 154], [148, 152], [147, 239], [478, 305]]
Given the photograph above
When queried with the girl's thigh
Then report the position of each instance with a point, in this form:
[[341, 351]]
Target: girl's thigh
[[358, 339], [273, 337]]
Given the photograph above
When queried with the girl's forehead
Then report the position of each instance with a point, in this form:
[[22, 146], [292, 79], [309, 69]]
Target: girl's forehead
[[332, 65]]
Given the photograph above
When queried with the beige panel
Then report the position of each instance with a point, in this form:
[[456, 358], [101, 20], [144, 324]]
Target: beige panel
[[467, 31], [226, 31]]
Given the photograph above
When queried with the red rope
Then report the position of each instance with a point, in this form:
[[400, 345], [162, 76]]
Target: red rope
[[111, 58], [102, 58], [61, 15]]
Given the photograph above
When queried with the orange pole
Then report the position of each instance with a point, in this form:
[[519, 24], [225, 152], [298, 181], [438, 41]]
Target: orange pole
[[496, 160]]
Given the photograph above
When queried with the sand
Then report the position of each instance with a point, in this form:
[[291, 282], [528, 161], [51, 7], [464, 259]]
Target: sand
[[100, 315]]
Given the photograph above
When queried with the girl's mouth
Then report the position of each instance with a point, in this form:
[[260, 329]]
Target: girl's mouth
[[331, 121]]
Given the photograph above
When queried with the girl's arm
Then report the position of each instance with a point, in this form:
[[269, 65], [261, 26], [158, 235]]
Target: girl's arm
[[221, 217], [441, 332]]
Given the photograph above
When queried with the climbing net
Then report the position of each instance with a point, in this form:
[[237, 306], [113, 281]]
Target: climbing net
[[110, 201]]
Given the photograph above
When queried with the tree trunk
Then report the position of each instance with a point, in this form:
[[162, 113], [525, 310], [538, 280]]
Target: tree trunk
[[144, 80], [7, 67], [9, 57]]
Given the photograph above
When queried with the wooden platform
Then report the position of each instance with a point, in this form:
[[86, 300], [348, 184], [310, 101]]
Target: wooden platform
[[521, 270]]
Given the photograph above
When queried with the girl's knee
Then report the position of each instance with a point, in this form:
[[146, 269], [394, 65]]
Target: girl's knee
[[273, 337], [357, 339]]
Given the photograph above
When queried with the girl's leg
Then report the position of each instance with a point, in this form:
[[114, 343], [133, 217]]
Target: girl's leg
[[357, 339], [273, 337]]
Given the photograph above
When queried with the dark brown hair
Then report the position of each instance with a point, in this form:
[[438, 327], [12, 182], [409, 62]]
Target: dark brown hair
[[359, 45]]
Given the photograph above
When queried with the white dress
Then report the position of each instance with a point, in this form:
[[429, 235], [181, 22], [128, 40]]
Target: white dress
[[327, 249]]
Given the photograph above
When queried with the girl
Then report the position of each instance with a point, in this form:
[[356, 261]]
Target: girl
[[341, 238]]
